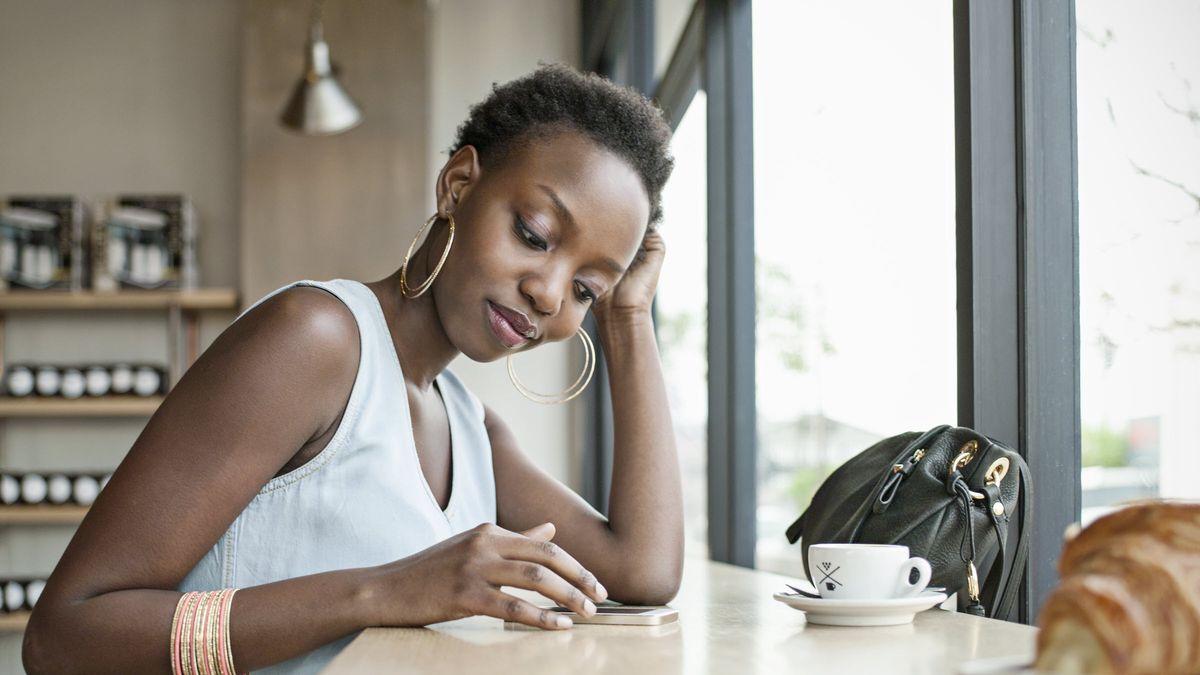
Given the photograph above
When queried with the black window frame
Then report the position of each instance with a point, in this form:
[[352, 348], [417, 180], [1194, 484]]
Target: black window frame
[[1017, 251]]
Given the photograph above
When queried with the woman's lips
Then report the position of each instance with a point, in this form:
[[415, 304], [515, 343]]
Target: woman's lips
[[503, 328]]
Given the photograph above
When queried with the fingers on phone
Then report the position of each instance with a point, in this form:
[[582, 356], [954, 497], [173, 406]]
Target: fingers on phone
[[510, 608], [551, 555], [535, 577]]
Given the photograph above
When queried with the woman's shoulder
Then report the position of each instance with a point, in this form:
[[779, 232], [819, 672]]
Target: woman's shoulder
[[306, 313]]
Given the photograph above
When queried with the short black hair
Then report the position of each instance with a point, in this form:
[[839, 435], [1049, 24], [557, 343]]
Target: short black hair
[[556, 96]]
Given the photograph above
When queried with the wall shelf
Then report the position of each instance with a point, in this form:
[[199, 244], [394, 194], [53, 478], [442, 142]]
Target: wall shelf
[[182, 308], [42, 514], [198, 299], [103, 406], [14, 621]]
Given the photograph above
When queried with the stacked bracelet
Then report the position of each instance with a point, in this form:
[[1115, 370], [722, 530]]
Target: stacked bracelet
[[200, 634]]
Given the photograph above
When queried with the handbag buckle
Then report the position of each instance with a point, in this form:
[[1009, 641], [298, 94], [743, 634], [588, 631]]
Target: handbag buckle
[[965, 454], [996, 472]]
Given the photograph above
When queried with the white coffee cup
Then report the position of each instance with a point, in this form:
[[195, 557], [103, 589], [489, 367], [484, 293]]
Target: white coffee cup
[[866, 571]]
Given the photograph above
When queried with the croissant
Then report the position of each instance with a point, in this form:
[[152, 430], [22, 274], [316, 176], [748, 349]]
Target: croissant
[[1129, 601]]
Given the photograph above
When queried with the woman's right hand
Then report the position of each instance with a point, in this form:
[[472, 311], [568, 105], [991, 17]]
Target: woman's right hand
[[462, 576]]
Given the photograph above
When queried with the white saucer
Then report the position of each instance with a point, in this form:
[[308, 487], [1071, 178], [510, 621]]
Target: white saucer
[[891, 612]]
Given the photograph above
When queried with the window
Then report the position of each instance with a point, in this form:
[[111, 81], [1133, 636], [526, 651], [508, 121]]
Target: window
[[670, 20], [681, 308], [897, 283], [854, 181], [1138, 103]]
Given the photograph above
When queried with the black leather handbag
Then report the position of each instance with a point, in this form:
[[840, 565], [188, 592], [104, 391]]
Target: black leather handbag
[[949, 494]]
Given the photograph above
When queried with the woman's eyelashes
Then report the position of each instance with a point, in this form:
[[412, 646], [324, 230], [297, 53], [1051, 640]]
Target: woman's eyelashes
[[583, 294], [529, 236]]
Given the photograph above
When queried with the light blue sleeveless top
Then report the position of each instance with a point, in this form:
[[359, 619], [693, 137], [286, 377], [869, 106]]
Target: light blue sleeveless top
[[363, 500]]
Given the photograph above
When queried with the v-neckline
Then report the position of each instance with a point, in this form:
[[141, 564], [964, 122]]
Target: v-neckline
[[438, 383]]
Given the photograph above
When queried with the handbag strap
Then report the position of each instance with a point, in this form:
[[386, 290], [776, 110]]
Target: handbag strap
[[993, 588], [1004, 580], [1013, 584], [868, 506]]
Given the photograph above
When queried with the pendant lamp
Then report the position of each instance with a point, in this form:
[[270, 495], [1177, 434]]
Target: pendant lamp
[[319, 106]]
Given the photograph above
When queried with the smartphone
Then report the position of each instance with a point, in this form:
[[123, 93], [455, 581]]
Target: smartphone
[[625, 615]]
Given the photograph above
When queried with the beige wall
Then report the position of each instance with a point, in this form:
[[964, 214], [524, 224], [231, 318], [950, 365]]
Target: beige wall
[[475, 44], [99, 97], [103, 96], [344, 205]]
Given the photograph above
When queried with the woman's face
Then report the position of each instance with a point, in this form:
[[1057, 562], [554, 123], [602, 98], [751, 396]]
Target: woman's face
[[537, 238]]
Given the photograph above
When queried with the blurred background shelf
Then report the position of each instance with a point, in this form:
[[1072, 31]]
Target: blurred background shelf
[[14, 621], [202, 298], [39, 514], [182, 307], [105, 406]]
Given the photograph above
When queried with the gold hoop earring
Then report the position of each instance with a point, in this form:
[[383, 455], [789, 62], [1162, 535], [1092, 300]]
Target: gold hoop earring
[[576, 388], [408, 291]]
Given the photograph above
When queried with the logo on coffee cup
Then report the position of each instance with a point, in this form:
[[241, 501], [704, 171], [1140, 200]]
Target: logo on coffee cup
[[827, 576]]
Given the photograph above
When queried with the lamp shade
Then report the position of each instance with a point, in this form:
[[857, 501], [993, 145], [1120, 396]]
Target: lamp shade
[[319, 106]]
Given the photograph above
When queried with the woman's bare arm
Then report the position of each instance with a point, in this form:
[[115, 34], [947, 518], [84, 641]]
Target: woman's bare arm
[[637, 552], [273, 381]]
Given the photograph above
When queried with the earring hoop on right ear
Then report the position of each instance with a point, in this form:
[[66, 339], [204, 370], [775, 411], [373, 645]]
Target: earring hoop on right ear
[[576, 388], [408, 291]]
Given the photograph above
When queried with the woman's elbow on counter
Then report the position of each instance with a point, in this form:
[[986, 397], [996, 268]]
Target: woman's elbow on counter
[[42, 651], [648, 585], [32, 653], [651, 592]]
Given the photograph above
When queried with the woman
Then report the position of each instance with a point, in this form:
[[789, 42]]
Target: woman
[[319, 463]]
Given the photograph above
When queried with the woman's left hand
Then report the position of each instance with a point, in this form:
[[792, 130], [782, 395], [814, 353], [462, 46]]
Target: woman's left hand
[[633, 295]]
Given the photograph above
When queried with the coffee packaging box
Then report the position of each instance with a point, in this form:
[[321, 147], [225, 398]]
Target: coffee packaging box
[[146, 242], [42, 244]]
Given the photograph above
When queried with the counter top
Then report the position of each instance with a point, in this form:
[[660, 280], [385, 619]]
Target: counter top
[[728, 623]]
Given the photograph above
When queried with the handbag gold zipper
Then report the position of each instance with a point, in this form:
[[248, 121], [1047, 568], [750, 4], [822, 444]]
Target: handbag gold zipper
[[916, 457]]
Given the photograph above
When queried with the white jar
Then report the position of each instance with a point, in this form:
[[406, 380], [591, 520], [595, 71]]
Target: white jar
[[98, 381], [14, 596], [33, 488], [29, 262], [146, 381], [85, 490], [73, 384], [48, 381], [58, 489], [116, 257], [8, 256], [18, 381], [33, 591], [10, 489], [122, 379]]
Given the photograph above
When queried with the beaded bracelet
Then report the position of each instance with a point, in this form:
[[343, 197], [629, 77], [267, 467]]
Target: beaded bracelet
[[200, 642]]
